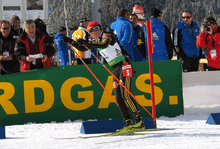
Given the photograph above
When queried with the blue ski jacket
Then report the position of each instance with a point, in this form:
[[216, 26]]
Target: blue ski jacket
[[62, 49], [137, 55], [159, 44], [124, 29], [185, 36]]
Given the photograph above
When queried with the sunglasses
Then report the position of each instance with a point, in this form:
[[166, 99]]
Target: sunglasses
[[188, 17], [94, 28], [5, 28]]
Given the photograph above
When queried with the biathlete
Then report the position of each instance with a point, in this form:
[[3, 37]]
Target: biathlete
[[112, 52]]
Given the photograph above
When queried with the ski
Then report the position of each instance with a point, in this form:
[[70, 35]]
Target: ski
[[114, 134], [104, 135], [132, 133]]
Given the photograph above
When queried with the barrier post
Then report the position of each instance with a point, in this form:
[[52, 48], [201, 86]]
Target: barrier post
[[150, 51], [2, 132]]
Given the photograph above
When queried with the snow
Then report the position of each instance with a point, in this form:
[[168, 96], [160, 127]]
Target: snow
[[188, 131]]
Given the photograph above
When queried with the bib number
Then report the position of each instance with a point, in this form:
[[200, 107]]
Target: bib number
[[126, 70]]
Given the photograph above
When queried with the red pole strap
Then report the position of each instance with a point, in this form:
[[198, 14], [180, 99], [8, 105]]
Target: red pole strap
[[150, 51]]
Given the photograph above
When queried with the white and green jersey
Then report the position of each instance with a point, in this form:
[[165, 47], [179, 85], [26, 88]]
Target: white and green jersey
[[112, 54]]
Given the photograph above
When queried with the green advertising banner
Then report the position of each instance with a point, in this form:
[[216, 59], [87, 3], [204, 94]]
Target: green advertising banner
[[72, 93]]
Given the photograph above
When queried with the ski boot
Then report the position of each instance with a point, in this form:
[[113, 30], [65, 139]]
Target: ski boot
[[139, 124], [127, 129]]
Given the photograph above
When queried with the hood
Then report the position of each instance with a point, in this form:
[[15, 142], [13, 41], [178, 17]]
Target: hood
[[156, 23], [58, 35]]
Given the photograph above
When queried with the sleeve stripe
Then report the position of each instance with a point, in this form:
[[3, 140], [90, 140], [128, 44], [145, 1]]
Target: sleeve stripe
[[131, 32], [175, 37]]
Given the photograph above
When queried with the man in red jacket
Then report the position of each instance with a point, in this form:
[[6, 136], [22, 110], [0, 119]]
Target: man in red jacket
[[33, 48], [209, 39]]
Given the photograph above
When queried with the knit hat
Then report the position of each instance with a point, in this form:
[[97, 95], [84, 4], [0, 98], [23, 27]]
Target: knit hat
[[13, 19], [93, 26], [62, 28], [155, 12], [210, 20]]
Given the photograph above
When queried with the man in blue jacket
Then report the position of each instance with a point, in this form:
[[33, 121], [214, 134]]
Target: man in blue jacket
[[184, 37], [162, 43], [136, 32], [62, 47], [124, 30]]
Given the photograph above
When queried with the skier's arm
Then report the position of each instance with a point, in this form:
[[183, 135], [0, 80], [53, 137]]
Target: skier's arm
[[93, 44], [74, 43]]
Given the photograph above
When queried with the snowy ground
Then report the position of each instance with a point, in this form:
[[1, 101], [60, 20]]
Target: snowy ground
[[189, 132]]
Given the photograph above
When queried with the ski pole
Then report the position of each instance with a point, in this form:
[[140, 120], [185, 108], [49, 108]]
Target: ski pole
[[93, 74], [120, 82]]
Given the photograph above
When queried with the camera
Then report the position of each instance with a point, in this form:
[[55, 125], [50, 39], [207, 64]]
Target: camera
[[206, 25]]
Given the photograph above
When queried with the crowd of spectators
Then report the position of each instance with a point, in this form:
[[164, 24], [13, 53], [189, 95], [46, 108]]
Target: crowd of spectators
[[33, 48]]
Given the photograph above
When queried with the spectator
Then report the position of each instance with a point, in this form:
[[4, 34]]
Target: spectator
[[8, 62], [62, 47], [184, 37], [162, 43], [15, 26], [136, 31], [209, 38], [33, 42], [124, 29], [40, 24], [81, 33]]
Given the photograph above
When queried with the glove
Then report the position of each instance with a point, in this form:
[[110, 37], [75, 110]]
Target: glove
[[67, 39], [82, 41]]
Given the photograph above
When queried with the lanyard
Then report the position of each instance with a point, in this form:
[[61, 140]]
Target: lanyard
[[189, 28], [213, 42]]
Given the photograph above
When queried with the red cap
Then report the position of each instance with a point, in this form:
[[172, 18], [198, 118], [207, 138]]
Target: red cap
[[93, 26], [137, 9]]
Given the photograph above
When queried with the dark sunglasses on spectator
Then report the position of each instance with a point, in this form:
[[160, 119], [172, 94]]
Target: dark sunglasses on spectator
[[5, 28], [188, 17]]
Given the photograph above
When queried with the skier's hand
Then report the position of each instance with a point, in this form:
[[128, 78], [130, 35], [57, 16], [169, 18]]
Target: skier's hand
[[82, 42], [67, 40]]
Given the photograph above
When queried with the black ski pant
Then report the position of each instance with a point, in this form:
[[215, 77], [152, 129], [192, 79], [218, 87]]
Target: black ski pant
[[123, 98]]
